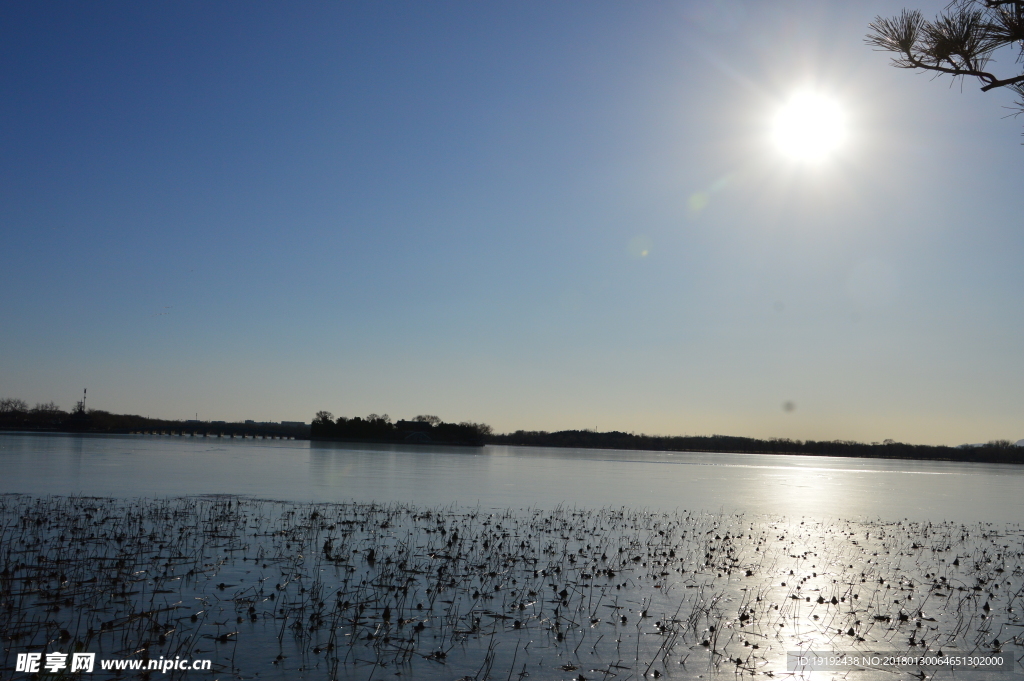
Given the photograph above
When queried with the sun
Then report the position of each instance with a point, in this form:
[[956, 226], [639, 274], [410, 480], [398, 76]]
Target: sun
[[809, 127]]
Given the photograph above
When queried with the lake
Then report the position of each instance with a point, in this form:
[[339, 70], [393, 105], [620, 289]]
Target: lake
[[302, 471], [296, 560]]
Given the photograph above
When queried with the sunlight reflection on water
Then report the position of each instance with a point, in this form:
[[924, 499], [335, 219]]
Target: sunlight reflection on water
[[129, 466]]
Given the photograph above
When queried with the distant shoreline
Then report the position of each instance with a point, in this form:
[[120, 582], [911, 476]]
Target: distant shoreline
[[997, 452], [411, 443], [1001, 451], [228, 430]]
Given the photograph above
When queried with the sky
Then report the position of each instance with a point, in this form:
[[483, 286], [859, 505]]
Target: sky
[[535, 215]]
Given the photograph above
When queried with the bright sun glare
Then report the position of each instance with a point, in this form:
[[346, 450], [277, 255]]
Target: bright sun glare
[[809, 127]]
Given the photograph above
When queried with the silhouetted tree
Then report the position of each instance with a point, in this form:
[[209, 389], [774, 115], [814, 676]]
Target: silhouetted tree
[[379, 428], [481, 429], [48, 408], [427, 418], [960, 42], [13, 405]]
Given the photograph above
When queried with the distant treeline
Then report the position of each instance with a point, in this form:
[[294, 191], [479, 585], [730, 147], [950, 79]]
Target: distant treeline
[[379, 428], [15, 414], [94, 420], [997, 451]]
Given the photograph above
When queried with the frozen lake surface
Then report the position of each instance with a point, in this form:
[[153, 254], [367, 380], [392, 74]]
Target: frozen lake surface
[[297, 560], [824, 487], [276, 590]]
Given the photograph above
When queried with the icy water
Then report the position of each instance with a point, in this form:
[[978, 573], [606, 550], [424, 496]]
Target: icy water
[[794, 486], [285, 560]]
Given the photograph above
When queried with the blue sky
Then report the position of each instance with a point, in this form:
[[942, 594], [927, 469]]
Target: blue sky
[[535, 215]]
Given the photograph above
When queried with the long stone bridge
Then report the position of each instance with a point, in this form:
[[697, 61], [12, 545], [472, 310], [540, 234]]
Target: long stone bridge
[[265, 431]]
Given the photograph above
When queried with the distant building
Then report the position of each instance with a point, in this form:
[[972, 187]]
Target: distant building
[[295, 424]]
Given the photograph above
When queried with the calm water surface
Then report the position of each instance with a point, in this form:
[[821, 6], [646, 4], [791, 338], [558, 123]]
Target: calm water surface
[[162, 466]]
